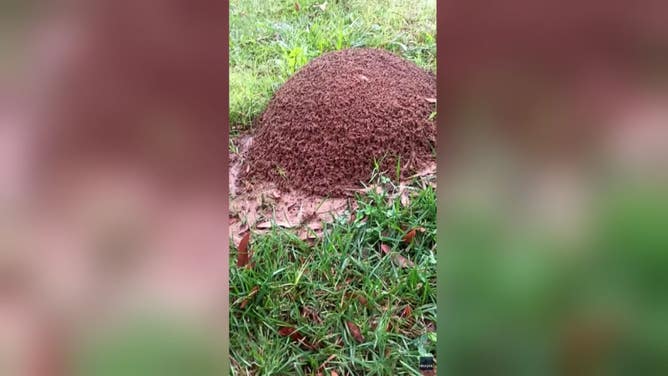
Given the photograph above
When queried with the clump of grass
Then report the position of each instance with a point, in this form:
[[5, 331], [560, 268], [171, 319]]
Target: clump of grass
[[270, 40], [349, 275]]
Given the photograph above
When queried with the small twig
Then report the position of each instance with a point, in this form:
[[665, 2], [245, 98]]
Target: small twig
[[322, 366]]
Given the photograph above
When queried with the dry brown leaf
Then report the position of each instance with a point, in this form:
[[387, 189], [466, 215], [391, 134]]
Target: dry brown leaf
[[355, 331], [385, 248], [294, 335], [242, 257], [402, 261], [410, 235], [267, 225], [407, 311], [297, 6], [362, 300]]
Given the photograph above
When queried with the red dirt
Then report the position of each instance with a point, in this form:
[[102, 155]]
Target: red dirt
[[325, 126]]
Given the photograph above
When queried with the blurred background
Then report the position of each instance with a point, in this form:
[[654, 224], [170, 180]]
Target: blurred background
[[113, 181], [553, 187], [554, 194]]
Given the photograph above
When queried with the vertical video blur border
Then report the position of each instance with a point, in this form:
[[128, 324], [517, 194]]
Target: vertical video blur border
[[113, 187], [553, 198]]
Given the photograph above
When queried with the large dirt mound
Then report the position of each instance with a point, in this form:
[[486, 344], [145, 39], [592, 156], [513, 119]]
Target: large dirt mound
[[326, 125]]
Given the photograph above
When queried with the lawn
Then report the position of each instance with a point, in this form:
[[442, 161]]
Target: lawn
[[361, 300], [270, 40], [296, 307]]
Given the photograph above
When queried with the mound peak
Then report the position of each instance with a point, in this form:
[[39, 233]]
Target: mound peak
[[325, 127]]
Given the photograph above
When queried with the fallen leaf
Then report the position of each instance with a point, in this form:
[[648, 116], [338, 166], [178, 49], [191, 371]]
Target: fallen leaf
[[294, 335], [401, 261], [242, 257], [291, 332], [430, 100], [407, 311], [408, 238], [362, 300], [355, 331], [297, 7], [267, 225], [385, 248]]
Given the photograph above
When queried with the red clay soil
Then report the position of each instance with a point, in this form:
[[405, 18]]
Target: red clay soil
[[323, 129]]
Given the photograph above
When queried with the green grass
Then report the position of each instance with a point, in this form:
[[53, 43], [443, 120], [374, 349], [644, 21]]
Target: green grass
[[270, 40], [343, 277]]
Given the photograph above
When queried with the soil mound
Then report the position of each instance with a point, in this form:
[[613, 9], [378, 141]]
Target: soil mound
[[323, 129]]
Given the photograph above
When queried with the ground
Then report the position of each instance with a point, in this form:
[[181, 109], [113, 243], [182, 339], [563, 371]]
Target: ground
[[361, 297]]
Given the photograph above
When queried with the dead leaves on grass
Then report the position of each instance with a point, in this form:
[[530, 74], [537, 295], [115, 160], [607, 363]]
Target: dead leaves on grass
[[385, 248], [398, 259], [355, 331], [243, 254], [402, 261], [408, 238], [296, 336]]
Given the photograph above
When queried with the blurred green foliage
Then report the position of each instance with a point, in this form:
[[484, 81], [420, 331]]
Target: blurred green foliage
[[516, 302], [151, 347]]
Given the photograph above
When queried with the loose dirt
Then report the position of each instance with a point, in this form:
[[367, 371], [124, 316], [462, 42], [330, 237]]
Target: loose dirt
[[325, 127]]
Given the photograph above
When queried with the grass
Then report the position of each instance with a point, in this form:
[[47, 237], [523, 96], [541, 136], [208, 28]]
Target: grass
[[344, 277], [270, 40]]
